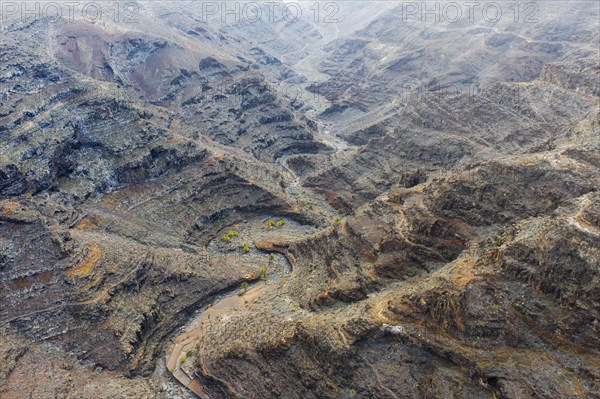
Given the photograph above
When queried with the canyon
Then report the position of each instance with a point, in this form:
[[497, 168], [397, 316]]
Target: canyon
[[330, 200]]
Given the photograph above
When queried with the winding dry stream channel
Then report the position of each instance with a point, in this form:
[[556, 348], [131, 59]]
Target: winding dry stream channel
[[179, 363], [181, 358], [181, 355]]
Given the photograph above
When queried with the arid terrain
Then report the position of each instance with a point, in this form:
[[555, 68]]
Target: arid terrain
[[300, 200]]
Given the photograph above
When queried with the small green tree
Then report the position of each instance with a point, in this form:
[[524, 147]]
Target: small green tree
[[231, 233], [244, 288], [264, 275], [280, 223]]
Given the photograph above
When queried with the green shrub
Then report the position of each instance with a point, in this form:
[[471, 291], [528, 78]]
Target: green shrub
[[280, 222], [263, 274], [231, 233], [182, 359], [269, 223]]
